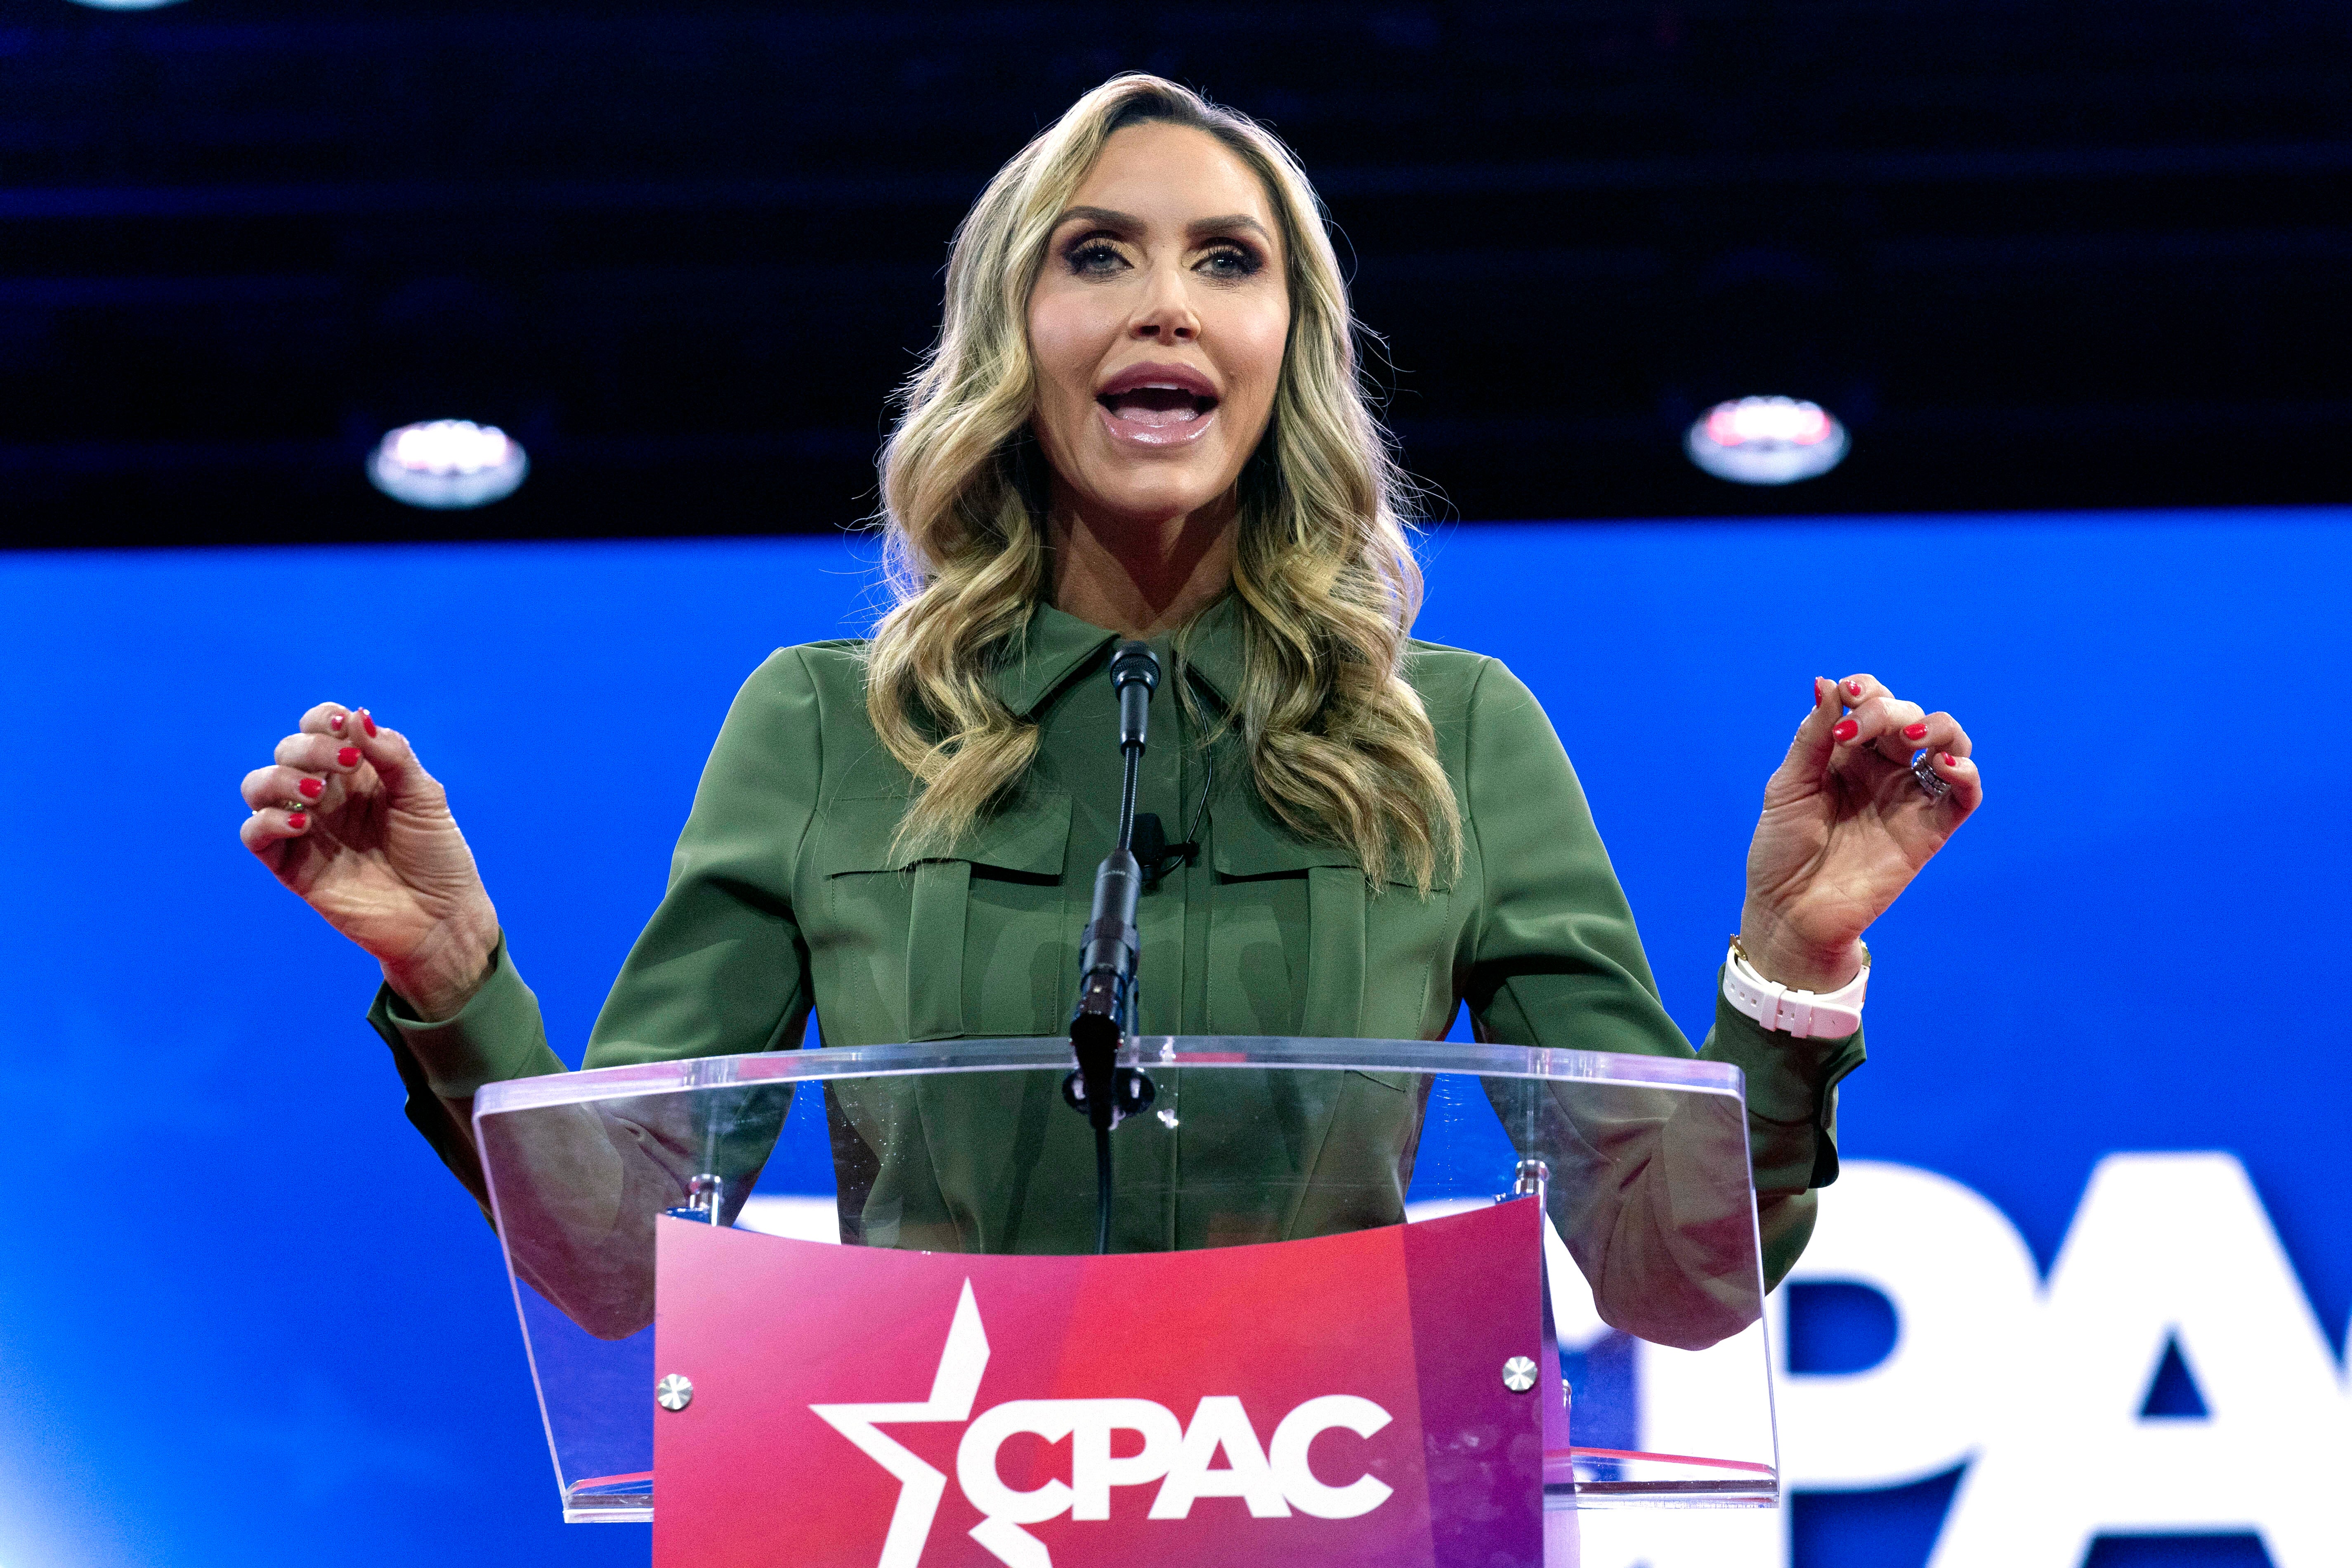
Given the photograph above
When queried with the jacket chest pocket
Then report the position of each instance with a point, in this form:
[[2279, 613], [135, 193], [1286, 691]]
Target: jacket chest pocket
[[934, 946], [1358, 967]]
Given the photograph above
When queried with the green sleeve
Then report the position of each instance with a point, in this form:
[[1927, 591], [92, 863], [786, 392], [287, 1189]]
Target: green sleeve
[[719, 970], [497, 1035], [1556, 960]]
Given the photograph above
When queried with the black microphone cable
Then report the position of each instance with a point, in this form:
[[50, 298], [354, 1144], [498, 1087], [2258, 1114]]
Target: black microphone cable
[[1109, 947]]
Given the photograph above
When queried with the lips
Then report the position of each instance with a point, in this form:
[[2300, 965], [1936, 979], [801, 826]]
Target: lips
[[1158, 405]]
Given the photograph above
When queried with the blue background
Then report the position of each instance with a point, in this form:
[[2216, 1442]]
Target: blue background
[[247, 1319]]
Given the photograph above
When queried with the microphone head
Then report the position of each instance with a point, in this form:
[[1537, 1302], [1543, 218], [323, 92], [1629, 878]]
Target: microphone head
[[1134, 661]]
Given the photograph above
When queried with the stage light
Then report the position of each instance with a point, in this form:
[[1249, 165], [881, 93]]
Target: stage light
[[1766, 440], [125, 4], [447, 463]]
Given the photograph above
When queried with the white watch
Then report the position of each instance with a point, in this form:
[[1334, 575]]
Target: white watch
[[1807, 1015]]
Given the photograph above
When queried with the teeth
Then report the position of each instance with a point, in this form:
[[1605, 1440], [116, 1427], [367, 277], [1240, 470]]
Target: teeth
[[1154, 386], [1142, 413]]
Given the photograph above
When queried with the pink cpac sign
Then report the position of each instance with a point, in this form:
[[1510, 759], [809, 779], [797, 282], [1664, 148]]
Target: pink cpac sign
[[1337, 1401]]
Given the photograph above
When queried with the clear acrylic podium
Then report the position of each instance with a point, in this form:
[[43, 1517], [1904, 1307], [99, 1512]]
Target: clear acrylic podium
[[1651, 1255]]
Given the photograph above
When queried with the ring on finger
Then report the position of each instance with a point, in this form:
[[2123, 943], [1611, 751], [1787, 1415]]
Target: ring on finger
[[1923, 769]]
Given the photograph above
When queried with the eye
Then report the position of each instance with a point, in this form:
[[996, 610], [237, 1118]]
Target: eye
[[1230, 260], [1094, 254]]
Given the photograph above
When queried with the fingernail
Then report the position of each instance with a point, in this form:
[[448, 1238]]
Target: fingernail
[[1846, 730], [311, 789], [1853, 688], [335, 720], [1817, 691], [1948, 760], [1915, 732], [349, 757], [368, 718], [299, 821]]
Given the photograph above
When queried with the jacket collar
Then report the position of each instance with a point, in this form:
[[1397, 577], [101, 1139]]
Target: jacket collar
[[1058, 645], [1213, 650], [1054, 646]]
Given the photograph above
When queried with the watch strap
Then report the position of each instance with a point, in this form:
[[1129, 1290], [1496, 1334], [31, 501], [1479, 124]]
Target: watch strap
[[1806, 1015]]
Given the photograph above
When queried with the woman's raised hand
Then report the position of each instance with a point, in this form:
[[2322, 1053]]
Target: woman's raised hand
[[349, 819], [1846, 826]]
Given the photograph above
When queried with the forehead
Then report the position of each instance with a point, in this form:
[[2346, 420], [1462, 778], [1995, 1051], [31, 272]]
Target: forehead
[[1174, 174]]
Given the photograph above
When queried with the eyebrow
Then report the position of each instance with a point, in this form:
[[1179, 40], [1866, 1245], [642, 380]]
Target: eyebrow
[[1128, 223]]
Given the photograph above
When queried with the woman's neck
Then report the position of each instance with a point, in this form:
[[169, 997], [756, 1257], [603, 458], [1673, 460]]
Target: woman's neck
[[1139, 579]]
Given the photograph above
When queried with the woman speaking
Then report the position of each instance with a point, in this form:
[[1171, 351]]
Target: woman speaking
[[1143, 418]]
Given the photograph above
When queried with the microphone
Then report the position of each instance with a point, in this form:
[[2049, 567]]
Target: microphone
[[1110, 945], [1135, 675]]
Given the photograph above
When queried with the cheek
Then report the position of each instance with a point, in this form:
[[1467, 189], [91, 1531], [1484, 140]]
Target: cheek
[[1258, 342], [1064, 340]]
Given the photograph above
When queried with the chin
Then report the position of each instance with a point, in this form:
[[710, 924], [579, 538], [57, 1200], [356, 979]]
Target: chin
[[1151, 497]]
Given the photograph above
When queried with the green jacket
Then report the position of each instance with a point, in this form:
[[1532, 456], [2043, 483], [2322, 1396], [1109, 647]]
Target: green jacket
[[786, 895]]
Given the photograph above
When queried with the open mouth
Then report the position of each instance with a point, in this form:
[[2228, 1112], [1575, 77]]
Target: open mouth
[[1157, 406]]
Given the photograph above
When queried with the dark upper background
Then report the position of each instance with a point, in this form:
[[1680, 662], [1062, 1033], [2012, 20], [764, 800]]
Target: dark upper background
[[2037, 254]]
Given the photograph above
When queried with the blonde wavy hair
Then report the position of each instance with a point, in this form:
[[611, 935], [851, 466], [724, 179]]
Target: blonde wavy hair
[[1339, 746]]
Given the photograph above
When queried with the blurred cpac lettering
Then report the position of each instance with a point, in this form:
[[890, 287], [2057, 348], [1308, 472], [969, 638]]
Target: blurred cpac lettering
[[2165, 1249], [2038, 1389], [1965, 1289]]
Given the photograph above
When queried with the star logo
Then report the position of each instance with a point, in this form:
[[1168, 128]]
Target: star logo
[[920, 1486]]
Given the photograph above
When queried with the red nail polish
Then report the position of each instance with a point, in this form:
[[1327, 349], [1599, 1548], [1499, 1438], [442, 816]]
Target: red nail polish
[[1915, 732], [1846, 730], [369, 719], [1853, 688], [1817, 691], [335, 720], [1948, 760], [299, 821], [349, 757], [311, 789]]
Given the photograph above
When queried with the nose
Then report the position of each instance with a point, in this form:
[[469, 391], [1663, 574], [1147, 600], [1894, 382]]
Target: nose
[[1165, 314]]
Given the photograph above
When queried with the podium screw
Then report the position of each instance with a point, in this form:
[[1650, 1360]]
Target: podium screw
[[1530, 1177], [675, 1393], [1518, 1374]]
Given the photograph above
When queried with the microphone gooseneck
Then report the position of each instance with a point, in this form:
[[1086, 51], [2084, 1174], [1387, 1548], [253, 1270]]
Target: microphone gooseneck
[[1110, 946]]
